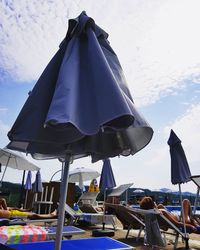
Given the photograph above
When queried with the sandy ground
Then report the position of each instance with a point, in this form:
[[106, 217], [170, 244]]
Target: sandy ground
[[120, 234]]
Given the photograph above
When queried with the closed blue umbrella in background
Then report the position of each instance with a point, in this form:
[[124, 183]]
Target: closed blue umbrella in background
[[107, 179], [37, 186], [180, 171], [28, 186], [81, 106]]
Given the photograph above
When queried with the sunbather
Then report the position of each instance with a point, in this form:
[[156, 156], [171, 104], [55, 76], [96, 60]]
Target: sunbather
[[191, 224], [8, 212]]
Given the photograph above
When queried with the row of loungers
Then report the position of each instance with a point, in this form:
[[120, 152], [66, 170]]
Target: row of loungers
[[150, 221]]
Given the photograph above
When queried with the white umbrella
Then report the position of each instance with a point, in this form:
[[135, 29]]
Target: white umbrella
[[15, 160], [82, 174]]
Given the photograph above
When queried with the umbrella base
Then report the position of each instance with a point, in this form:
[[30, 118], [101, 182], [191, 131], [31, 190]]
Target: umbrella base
[[102, 233]]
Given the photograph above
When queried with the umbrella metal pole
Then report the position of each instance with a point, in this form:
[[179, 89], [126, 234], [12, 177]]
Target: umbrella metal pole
[[22, 190], [62, 200], [183, 216]]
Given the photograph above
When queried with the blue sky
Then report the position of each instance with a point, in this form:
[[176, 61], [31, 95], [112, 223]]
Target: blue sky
[[157, 43]]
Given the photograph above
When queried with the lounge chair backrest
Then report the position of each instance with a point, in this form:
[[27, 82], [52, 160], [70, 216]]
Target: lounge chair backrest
[[88, 198], [88, 208], [125, 216], [70, 211], [116, 192]]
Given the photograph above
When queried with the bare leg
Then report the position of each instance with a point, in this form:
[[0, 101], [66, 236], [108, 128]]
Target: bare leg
[[187, 210], [52, 215]]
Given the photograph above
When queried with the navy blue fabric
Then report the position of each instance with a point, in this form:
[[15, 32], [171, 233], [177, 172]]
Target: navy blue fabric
[[28, 184], [81, 104], [100, 243], [180, 171], [37, 186], [107, 179]]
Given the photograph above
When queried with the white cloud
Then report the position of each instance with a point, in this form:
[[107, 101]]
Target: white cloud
[[156, 44]]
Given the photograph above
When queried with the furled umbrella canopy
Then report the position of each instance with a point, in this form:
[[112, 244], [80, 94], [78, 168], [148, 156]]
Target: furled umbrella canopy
[[180, 171], [37, 186], [81, 106], [107, 179], [27, 186]]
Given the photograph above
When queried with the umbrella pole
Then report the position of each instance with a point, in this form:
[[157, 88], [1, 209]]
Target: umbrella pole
[[62, 201], [104, 208], [26, 196], [183, 216], [22, 190]]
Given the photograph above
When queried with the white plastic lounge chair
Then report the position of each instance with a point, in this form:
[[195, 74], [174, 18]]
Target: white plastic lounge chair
[[88, 198], [118, 191], [93, 218]]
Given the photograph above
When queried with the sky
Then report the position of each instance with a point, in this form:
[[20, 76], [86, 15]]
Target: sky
[[157, 43]]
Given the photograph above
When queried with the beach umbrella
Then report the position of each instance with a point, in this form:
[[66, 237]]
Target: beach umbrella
[[107, 180], [27, 186], [81, 106], [16, 160], [82, 174], [180, 171], [37, 185]]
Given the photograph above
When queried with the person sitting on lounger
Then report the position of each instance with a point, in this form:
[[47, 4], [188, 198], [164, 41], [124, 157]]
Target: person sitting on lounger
[[9, 212], [191, 224]]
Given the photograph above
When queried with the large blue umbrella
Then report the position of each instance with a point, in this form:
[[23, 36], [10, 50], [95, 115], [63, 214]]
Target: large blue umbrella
[[180, 171], [80, 106]]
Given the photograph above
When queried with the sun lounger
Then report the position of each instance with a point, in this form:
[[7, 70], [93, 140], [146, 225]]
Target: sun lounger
[[118, 191], [100, 243], [25, 221], [93, 218], [88, 198], [31, 233], [164, 223], [129, 220]]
